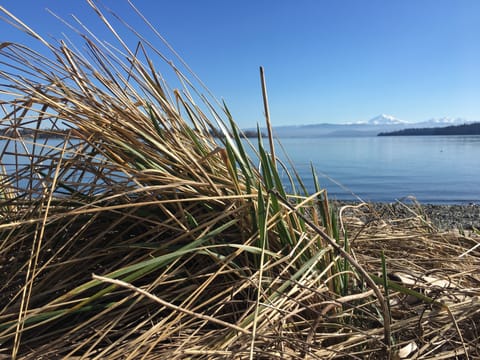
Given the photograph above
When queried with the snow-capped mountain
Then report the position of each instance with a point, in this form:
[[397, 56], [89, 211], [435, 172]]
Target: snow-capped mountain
[[385, 119], [378, 124], [447, 121]]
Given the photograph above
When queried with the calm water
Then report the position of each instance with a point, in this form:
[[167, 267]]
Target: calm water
[[434, 169]]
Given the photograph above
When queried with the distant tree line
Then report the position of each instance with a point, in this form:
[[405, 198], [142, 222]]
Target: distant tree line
[[465, 129], [245, 134], [61, 133], [33, 133]]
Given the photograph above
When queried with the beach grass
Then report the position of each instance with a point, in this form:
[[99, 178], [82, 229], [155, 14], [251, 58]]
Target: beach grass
[[128, 231]]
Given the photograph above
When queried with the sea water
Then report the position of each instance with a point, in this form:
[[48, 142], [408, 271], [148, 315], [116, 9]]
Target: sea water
[[432, 169]]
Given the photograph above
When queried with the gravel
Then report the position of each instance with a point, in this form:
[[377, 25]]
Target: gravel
[[446, 217], [454, 216]]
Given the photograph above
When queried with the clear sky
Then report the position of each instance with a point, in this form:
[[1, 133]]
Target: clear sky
[[325, 61]]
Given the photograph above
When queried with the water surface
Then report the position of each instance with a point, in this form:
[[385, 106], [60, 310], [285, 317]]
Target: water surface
[[434, 169]]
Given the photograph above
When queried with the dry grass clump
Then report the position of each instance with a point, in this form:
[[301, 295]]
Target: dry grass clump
[[127, 231], [442, 265]]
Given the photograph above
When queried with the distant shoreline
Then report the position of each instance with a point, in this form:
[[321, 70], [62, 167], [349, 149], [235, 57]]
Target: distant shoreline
[[465, 129]]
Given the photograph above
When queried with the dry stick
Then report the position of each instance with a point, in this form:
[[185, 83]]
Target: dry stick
[[267, 116], [344, 254], [170, 305]]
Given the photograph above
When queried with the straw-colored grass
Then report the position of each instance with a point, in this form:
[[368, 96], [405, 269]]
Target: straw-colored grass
[[128, 232]]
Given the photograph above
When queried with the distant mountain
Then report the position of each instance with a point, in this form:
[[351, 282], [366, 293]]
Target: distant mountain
[[378, 124], [384, 119], [465, 129], [447, 120]]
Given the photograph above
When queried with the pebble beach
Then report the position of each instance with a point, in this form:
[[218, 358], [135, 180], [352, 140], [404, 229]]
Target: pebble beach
[[444, 217], [464, 217]]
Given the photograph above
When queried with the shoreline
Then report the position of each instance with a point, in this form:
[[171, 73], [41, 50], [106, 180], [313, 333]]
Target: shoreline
[[444, 217]]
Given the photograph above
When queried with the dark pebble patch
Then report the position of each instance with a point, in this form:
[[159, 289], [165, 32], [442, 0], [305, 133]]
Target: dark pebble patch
[[463, 217]]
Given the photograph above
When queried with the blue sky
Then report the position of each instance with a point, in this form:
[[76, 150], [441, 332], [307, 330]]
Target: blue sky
[[325, 61]]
